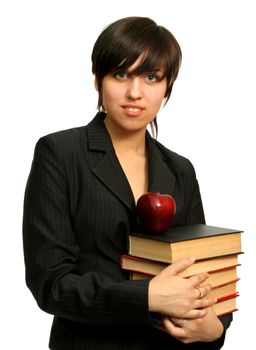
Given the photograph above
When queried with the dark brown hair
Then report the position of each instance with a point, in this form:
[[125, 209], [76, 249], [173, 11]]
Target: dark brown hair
[[121, 43]]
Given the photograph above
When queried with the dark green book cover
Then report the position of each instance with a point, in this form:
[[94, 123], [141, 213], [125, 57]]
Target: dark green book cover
[[187, 232]]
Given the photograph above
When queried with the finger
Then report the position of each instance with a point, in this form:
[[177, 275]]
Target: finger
[[195, 313], [172, 329], [180, 265], [203, 291], [204, 303], [178, 321], [200, 294], [196, 280]]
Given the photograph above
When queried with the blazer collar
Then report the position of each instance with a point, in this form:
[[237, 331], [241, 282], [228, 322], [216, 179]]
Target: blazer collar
[[98, 137], [109, 171]]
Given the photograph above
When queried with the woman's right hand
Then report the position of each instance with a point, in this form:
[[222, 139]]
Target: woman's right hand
[[175, 296]]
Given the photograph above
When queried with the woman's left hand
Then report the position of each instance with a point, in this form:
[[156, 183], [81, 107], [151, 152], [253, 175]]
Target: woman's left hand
[[205, 329]]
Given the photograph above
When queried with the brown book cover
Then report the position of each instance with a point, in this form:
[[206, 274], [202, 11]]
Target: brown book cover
[[133, 263], [216, 278], [197, 241], [226, 304], [221, 292]]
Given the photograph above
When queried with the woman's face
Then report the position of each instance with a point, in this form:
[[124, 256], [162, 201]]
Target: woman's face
[[132, 101]]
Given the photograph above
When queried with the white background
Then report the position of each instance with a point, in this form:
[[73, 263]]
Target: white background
[[46, 85]]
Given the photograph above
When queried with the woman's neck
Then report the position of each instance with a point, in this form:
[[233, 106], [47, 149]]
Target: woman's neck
[[127, 142]]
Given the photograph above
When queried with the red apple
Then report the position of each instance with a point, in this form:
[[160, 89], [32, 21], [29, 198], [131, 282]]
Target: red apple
[[155, 212]]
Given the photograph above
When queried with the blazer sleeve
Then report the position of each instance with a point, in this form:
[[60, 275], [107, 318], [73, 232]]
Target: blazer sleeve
[[51, 254], [194, 212]]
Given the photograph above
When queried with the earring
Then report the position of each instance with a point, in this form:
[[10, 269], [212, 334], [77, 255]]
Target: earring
[[102, 109]]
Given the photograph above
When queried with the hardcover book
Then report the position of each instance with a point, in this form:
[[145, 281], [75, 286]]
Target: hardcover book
[[133, 263], [197, 241], [216, 278], [226, 304]]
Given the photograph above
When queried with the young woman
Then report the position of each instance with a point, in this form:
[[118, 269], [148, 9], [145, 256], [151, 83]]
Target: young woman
[[80, 206]]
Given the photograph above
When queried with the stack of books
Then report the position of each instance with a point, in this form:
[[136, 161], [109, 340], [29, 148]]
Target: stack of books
[[215, 249]]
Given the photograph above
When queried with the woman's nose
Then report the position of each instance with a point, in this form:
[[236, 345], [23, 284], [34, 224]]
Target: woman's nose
[[134, 88]]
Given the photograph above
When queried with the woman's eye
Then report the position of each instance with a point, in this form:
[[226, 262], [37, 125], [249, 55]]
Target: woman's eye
[[120, 75], [152, 78]]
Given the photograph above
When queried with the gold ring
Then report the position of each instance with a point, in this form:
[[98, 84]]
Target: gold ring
[[200, 293]]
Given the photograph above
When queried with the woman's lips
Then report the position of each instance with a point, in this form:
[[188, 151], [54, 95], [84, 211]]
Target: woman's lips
[[133, 109]]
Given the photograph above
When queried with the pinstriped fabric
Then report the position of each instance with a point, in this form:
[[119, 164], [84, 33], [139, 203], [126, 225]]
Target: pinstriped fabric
[[78, 211]]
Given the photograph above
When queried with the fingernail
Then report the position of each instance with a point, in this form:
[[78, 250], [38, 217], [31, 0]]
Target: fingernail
[[192, 260]]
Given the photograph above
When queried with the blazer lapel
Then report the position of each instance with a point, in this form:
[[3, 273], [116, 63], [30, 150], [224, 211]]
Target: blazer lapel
[[161, 178], [108, 170], [105, 164]]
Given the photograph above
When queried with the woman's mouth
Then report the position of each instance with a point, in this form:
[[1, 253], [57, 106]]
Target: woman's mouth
[[133, 109]]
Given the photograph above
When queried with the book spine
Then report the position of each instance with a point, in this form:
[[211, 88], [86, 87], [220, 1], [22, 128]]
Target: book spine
[[227, 313], [227, 296]]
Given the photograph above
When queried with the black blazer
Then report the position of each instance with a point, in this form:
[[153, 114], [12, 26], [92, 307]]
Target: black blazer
[[78, 211]]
